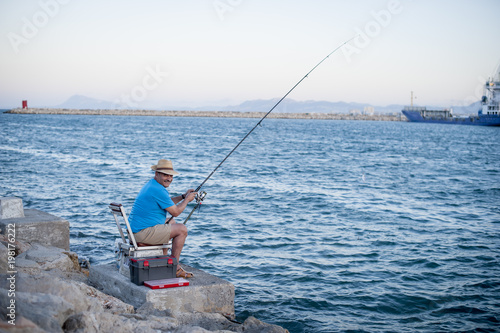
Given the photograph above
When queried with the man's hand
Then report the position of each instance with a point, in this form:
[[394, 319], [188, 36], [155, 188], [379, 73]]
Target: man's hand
[[190, 195], [180, 204]]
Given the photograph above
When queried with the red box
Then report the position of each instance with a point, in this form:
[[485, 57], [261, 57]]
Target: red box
[[167, 283]]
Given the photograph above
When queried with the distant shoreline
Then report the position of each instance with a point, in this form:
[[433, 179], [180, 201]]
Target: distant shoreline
[[213, 114]]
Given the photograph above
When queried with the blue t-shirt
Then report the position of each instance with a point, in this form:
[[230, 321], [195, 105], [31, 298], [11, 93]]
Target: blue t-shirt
[[149, 206]]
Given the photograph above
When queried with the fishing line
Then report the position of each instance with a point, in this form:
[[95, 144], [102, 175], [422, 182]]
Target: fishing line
[[199, 198], [275, 105]]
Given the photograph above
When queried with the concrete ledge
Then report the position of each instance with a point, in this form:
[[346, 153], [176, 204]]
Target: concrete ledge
[[11, 207], [205, 293], [39, 227]]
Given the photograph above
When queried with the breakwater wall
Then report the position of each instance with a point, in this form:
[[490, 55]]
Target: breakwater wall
[[45, 287], [215, 114]]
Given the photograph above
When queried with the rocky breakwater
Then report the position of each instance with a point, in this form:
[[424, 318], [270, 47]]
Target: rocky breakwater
[[45, 289], [216, 114]]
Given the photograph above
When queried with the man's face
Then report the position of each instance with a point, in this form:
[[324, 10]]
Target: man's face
[[164, 179]]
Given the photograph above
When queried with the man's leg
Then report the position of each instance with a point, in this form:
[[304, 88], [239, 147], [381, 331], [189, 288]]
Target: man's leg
[[170, 220], [178, 233]]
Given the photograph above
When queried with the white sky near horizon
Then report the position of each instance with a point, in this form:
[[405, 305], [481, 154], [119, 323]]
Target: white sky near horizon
[[158, 53]]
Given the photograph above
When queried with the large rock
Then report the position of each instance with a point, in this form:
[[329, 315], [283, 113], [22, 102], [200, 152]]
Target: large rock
[[48, 258], [48, 300], [253, 325], [49, 312], [82, 296], [23, 325], [46, 297], [179, 322], [207, 321], [3, 259], [95, 322], [14, 244]]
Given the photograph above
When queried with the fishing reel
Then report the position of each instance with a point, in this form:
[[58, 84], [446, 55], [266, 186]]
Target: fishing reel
[[200, 196]]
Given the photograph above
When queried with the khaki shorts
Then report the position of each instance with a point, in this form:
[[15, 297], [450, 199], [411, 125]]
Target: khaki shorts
[[156, 235]]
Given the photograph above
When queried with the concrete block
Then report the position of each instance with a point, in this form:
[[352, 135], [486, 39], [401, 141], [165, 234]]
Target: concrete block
[[11, 207], [39, 227], [205, 293]]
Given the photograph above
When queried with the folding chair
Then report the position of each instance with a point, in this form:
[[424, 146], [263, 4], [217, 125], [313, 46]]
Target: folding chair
[[127, 247]]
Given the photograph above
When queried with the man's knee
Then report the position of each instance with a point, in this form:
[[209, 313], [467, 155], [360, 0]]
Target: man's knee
[[184, 230], [179, 230]]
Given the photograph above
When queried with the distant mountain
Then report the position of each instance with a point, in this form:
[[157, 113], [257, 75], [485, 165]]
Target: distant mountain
[[84, 102], [292, 106], [467, 109], [264, 105]]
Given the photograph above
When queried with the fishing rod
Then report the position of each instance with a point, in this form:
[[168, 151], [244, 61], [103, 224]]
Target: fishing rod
[[201, 196]]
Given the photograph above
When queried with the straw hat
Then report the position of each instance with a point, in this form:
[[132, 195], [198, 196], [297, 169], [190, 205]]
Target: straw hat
[[165, 166]]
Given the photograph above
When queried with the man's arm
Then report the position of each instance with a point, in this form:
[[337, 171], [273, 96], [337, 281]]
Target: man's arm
[[181, 204], [177, 199]]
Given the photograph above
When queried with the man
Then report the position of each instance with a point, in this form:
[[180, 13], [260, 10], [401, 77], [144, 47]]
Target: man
[[149, 213]]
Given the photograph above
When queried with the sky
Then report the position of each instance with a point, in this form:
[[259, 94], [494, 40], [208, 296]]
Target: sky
[[161, 53]]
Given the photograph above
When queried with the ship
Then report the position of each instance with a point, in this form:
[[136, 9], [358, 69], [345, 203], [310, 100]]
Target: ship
[[487, 115]]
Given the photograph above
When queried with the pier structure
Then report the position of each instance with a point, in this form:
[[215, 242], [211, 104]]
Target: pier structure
[[210, 114], [205, 293]]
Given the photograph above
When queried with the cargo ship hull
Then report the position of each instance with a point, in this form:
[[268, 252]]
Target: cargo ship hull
[[487, 115], [480, 120]]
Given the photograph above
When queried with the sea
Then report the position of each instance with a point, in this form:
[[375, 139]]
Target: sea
[[321, 225]]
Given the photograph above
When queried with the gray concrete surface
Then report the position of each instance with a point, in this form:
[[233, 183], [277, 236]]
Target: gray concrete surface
[[205, 293], [39, 227], [11, 207]]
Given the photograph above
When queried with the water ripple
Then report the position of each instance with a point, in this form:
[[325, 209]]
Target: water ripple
[[322, 226]]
